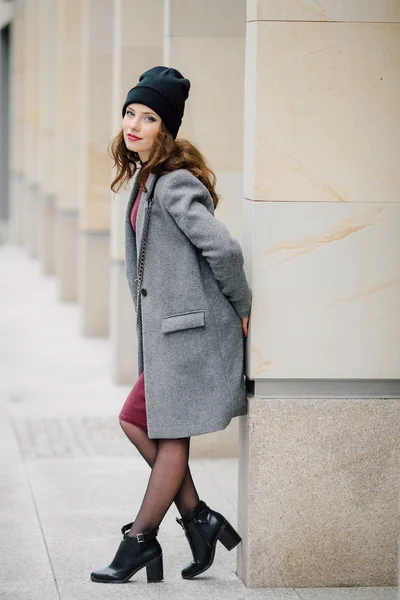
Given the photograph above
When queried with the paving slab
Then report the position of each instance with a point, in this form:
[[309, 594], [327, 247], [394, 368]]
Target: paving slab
[[25, 570]]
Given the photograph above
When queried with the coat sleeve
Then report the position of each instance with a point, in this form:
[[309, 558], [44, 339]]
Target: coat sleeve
[[183, 197]]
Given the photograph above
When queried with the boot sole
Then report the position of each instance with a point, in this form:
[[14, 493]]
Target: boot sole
[[149, 564], [231, 547]]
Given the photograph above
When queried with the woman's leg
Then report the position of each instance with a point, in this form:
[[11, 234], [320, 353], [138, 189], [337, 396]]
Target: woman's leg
[[139, 438], [167, 476], [186, 498]]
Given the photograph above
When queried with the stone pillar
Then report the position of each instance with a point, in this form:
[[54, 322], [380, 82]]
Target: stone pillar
[[21, 138], [30, 132], [24, 199], [20, 184], [16, 168], [47, 16], [318, 501], [134, 53], [94, 262], [68, 143]]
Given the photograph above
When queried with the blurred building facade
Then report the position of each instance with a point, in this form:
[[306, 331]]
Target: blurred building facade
[[295, 105]]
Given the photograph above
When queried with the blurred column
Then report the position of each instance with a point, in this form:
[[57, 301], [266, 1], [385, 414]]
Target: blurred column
[[22, 125], [47, 81], [28, 131], [94, 217], [16, 130], [318, 498], [31, 125], [206, 41], [68, 142], [137, 47]]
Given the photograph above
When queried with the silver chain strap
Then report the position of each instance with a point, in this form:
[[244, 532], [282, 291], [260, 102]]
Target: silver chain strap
[[141, 258]]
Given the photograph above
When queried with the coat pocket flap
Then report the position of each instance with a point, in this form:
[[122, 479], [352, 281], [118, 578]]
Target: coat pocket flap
[[183, 321]]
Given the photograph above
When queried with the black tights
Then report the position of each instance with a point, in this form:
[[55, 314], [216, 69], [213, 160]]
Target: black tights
[[170, 479]]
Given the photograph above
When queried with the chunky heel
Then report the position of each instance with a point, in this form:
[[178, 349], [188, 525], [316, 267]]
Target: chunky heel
[[134, 553], [203, 528], [228, 536], [155, 571]]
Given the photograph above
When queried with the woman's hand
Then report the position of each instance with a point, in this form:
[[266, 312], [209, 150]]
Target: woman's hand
[[245, 326]]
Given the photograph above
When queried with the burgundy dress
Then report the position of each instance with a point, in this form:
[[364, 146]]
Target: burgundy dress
[[134, 409]]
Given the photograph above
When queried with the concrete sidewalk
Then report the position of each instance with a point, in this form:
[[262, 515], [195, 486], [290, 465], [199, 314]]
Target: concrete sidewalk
[[69, 478]]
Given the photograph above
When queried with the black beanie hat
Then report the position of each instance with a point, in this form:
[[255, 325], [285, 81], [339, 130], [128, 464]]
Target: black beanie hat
[[164, 90]]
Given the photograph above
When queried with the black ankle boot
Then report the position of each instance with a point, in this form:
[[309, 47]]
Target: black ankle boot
[[134, 553], [203, 528]]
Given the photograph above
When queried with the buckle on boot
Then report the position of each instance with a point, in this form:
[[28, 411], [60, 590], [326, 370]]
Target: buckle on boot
[[200, 520], [148, 536]]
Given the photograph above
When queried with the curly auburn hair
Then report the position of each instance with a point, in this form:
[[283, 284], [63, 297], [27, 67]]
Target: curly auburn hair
[[166, 155]]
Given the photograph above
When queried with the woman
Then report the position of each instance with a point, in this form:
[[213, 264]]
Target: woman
[[192, 300]]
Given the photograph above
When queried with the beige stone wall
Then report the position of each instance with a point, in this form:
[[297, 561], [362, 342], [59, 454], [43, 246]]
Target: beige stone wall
[[30, 98], [69, 150], [30, 125], [96, 131], [46, 132], [94, 185], [322, 184], [358, 11], [48, 110], [69, 103]]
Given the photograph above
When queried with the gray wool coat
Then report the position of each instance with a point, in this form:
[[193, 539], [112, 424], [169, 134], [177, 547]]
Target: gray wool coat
[[194, 293]]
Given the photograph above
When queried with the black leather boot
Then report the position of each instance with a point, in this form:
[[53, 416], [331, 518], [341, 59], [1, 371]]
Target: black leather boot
[[203, 528], [134, 553]]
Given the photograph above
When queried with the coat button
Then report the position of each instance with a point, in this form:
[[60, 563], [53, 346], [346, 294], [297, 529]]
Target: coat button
[[143, 292]]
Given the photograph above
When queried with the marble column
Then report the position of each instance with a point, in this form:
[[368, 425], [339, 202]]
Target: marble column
[[47, 16], [138, 30], [318, 501], [68, 144], [94, 223]]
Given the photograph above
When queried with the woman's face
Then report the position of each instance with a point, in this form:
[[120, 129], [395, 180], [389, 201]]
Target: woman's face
[[140, 127]]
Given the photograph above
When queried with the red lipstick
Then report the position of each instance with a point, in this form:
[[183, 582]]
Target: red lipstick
[[133, 138]]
